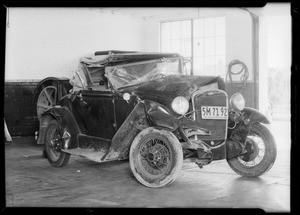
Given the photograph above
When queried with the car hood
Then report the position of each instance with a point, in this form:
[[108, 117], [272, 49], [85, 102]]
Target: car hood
[[168, 87]]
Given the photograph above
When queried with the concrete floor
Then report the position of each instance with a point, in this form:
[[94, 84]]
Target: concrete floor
[[32, 182]]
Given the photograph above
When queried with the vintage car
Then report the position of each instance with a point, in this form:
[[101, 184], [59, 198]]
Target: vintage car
[[143, 107]]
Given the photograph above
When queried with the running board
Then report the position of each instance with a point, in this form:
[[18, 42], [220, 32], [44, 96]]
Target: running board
[[89, 153], [91, 147]]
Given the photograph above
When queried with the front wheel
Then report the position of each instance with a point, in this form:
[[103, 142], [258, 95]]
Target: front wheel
[[260, 156], [53, 145], [155, 157]]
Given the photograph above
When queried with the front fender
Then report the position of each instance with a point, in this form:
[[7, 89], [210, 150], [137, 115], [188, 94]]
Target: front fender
[[66, 122], [255, 116], [237, 136], [121, 141], [160, 116]]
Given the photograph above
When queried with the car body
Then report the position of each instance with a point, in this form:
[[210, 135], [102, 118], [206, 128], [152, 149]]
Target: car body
[[120, 100]]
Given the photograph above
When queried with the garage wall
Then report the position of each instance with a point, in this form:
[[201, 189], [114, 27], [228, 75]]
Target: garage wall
[[238, 38], [238, 30], [49, 41], [42, 42], [19, 108]]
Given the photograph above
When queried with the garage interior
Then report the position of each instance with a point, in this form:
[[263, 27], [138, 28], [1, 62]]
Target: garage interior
[[48, 42]]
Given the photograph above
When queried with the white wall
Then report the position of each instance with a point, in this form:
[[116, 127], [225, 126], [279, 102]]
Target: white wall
[[279, 40], [275, 47], [43, 42], [263, 65], [239, 39]]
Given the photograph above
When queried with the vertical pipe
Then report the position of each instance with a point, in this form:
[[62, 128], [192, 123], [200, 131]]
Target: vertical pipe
[[255, 55], [192, 47]]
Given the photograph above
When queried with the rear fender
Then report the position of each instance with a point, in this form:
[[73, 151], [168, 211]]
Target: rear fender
[[67, 123], [61, 82], [44, 121]]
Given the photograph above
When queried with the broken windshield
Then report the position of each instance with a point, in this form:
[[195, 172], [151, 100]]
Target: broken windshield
[[136, 73]]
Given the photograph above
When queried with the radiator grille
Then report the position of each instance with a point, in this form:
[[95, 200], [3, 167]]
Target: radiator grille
[[212, 98]]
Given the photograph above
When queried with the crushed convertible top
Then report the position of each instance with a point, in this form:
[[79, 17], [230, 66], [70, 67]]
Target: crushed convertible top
[[101, 58]]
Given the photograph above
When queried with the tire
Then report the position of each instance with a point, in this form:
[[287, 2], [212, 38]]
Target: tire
[[46, 100], [155, 157], [55, 156], [245, 165]]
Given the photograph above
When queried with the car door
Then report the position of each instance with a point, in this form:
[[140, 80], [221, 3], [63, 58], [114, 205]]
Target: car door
[[97, 111], [103, 112]]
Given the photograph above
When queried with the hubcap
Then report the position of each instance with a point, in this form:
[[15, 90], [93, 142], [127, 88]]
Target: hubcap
[[154, 157], [55, 143], [151, 157], [252, 150], [46, 100], [255, 148]]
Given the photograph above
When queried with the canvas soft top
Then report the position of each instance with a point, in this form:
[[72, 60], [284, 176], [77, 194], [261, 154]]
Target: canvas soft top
[[101, 58]]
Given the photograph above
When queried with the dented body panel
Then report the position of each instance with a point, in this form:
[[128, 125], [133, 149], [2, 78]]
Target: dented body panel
[[103, 123], [236, 139], [165, 89], [67, 123], [98, 119], [141, 107], [159, 115], [121, 141]]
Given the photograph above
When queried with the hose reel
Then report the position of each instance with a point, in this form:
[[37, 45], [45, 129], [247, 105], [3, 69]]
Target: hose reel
[[243, 73]]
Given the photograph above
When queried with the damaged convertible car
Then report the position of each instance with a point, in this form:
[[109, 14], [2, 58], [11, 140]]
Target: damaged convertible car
[[142, 107]]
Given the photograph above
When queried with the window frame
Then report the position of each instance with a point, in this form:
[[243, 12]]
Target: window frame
[[193, 38]]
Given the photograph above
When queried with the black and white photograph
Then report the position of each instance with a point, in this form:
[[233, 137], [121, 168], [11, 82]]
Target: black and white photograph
[[148, 107]]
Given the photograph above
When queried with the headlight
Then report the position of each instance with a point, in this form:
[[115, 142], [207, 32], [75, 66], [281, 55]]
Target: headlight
[[237, 101], [180, 105], [126, 96]]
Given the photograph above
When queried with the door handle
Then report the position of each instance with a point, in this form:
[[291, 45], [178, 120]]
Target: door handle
[[83, 103]]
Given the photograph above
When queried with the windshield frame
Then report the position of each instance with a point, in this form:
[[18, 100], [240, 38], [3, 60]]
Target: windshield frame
[[109, 69]]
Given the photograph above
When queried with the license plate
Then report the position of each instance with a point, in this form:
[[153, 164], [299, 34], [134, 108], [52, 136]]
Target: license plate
[[214, 112]]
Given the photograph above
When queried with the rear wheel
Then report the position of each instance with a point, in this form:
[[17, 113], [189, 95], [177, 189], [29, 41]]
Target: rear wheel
[[46, 100], [53, 146], [155, 157], [260, 156]]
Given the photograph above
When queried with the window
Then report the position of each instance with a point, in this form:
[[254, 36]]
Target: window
[[202, 41], [177, 37]]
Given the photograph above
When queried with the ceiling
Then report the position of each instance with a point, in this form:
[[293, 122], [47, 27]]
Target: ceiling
[[271, 9], [152, 11]]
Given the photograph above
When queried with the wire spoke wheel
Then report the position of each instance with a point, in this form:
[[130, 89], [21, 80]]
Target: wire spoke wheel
[[155, 157], [260, 153], [53, 145], [256, 147], [46, 100]]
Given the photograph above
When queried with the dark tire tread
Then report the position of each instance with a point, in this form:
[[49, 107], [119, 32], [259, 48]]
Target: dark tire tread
[[268, 160], [64, 157]]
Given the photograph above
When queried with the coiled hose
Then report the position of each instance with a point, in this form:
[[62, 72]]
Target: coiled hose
[[244, 74]]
